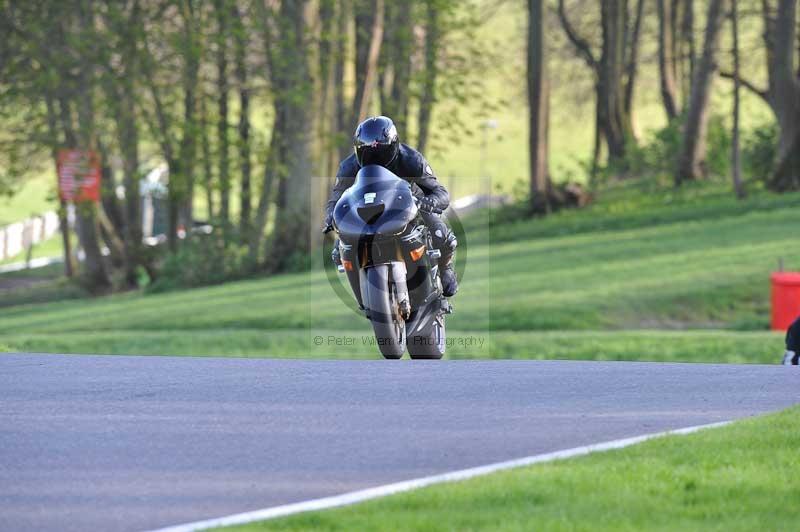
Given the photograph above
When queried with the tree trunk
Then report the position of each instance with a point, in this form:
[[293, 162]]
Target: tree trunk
[[364, 17], [52, 129], [241, 42], [326, 111], [597, 147], [273, 162], [736, 163], [109, 213], [343, 126], [122, 94], [266, 197], [787, 171], [205, 150], [52, 125], [222, 103], [783, 93], [188, 146], [686, 58], [666, 60], [784, 96], [633, 59], [120, 81], [398, 53], [294, 99], [371, 74], [96, 275], [614, 121], [428, 98], [539, 107], [691, 162], [617, 126]]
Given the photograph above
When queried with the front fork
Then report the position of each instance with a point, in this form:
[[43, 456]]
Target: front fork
[[344, 256]]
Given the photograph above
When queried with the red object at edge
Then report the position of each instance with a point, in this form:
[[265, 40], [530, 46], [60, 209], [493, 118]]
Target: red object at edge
[[785, 299]]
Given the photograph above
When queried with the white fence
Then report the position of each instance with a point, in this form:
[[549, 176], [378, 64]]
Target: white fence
[[17, 237]]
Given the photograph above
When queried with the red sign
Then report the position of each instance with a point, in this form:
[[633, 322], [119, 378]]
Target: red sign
[[79, 175]]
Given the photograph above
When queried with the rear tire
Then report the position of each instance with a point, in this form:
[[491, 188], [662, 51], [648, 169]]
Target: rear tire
[[389, 327], [430, 343]]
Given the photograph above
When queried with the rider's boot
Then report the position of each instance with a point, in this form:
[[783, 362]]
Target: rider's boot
[[447, 242]]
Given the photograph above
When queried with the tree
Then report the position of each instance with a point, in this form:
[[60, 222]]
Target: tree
[[240, 52], [429, 75], [691, 161], [666, 58], [206, 155], [120, 82], [222, 9], [396, 63], [152, 82], [736, 163], [74, 32], [609, 71], [293, 99], [539, 109], [371, 66], [174, 60], [782, 94], [685, 55], [632, 67]]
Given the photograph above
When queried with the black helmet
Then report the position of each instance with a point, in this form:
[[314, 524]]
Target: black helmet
[[376, 141]]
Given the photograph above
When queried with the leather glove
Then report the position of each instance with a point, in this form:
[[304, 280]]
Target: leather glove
[[429, 204], [327, 225]]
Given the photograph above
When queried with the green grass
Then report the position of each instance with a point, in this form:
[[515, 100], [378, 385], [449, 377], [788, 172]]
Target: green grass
[[654, 346], [52, 247], [35, 196], [47, 282], [741, 477], [694, 265]]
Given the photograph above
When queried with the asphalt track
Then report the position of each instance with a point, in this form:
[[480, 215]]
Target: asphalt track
[[136, 443]]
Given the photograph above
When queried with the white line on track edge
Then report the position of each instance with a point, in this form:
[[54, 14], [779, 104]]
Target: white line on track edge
[[354, 497]]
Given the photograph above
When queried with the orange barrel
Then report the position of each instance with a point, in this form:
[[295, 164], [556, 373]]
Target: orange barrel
[[785, 299]]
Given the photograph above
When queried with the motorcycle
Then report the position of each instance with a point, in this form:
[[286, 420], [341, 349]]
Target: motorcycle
[[387, 255]]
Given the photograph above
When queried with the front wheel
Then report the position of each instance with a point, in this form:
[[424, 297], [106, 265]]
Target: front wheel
[[389, 326], [430, 342]]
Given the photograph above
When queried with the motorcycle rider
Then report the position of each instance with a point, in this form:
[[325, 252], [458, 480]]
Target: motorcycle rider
[[376, 142], [790, 358]]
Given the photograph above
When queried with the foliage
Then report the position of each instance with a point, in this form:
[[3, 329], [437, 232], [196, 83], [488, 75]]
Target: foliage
[[202, 260], [718, 155], [759, 150], [658, 154], [198, 87]]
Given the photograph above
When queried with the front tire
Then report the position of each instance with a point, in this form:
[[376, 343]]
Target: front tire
[[430, 343], [388, 325]]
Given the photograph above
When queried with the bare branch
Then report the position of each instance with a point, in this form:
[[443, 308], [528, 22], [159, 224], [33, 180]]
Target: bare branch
[[581, 45], [746, 84]]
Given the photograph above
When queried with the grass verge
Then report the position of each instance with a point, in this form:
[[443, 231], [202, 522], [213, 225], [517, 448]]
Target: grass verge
[[745, 476], [653, 346]]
